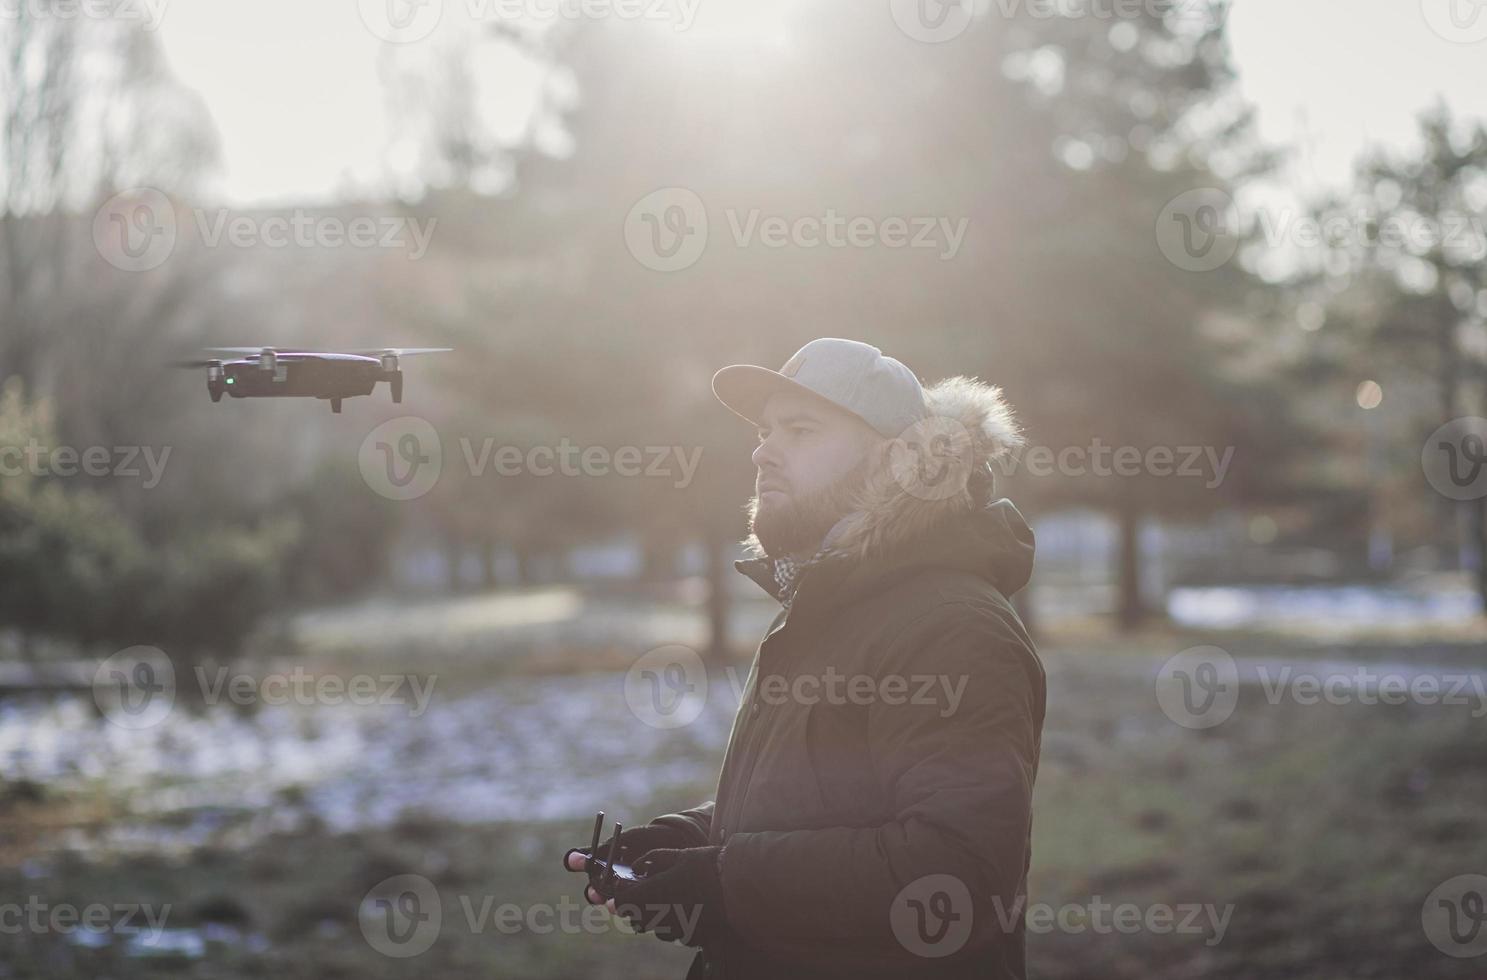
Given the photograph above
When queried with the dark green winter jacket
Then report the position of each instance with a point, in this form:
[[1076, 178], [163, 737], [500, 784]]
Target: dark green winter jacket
[[875, 798]]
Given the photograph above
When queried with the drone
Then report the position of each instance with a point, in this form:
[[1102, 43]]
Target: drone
[[274, 372]]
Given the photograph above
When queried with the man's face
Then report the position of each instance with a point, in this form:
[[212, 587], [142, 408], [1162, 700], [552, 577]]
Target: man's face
[[812, 457]]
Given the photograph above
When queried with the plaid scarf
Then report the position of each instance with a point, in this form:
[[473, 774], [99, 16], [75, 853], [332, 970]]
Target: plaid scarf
[[787, 570]]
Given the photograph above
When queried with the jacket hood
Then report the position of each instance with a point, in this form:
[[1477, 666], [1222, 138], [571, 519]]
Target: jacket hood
[[929, 499]]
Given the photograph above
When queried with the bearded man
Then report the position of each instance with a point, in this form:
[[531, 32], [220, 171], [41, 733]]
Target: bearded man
[[873, 816]]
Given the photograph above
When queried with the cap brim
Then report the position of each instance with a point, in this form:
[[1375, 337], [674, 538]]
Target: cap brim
[[745, 389]]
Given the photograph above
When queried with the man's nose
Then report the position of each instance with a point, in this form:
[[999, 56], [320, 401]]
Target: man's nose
[[764, 455]]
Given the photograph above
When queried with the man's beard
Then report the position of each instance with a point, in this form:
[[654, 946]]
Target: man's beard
[[800, 524]]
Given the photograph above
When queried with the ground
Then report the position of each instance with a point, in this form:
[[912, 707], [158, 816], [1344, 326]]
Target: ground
[[1293, 840]]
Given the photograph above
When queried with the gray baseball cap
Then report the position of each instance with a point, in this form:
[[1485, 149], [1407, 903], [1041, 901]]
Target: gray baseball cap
[[851, 375]]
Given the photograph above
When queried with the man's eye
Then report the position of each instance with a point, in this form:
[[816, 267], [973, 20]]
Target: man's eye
[[799, 430]]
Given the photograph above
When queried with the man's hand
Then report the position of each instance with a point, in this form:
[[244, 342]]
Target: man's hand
[[679, 897], [632, 844]]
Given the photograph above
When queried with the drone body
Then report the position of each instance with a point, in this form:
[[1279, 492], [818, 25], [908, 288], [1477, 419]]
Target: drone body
[[270, 372]]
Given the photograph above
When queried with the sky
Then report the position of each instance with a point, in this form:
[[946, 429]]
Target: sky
[[294, 84]]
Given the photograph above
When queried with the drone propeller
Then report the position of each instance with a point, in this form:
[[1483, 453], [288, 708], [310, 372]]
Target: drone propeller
[[400, 351], [193, 364], [240, 350]]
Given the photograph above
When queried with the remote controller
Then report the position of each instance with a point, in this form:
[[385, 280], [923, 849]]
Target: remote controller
[[604, 871]]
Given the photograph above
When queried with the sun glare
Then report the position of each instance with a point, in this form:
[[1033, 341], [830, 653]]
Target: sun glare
[[760, 24]]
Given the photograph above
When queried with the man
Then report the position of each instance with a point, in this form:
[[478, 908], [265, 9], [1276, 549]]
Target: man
[[873, 814]]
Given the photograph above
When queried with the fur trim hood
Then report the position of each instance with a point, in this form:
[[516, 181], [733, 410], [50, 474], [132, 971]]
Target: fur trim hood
[[937, 470]]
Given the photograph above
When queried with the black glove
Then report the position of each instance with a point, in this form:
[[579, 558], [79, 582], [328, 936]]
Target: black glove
[[635, 842], [679, 897]]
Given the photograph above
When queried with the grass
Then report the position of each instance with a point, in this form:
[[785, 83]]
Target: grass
[[1323, 827]]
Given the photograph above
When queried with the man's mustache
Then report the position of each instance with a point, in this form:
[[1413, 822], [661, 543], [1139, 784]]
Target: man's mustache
[[770, 481]]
